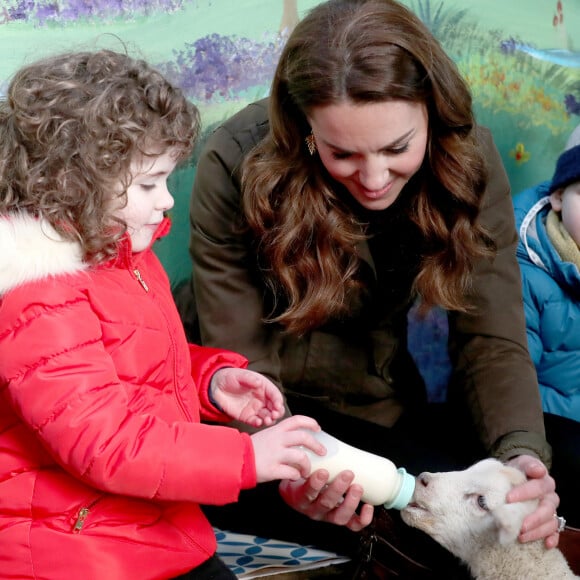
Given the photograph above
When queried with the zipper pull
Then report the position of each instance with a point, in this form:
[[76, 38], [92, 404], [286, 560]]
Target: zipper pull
[[83, 513], [140, 279]]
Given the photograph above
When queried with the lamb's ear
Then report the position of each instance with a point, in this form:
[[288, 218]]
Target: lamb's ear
[[509, 518]]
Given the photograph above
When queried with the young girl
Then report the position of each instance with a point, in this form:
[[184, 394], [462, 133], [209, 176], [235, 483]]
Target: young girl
[[103, 459]]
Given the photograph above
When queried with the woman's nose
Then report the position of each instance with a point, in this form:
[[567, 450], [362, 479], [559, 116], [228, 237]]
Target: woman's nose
[[374, 174]]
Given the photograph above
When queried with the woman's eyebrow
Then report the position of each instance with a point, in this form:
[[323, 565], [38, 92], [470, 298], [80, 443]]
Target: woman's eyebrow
[[390, 145]]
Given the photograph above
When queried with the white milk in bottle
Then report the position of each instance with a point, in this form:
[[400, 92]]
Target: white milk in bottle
[[382, 482]]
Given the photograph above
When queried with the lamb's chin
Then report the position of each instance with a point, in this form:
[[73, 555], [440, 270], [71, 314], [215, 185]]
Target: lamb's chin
[[413, 514]]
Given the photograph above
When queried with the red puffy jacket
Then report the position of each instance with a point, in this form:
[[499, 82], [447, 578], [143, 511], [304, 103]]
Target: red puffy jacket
[[103, 459]]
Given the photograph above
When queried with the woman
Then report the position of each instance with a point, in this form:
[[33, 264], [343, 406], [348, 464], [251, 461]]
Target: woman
[[320, 217]]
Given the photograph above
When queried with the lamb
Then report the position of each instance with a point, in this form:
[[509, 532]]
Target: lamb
[[465, 511]]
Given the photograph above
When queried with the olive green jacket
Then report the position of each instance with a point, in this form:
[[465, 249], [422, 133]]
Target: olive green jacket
[[364, 369]]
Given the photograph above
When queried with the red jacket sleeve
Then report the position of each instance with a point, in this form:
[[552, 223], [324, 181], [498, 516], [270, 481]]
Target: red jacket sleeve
[[205, 361]]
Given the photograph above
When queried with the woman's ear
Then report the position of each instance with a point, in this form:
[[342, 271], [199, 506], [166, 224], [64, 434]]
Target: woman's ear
[[556, 199]]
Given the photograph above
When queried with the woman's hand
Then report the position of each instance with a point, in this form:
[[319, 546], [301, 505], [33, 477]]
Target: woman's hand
[[540, 485], [335, 502], [247, 396]]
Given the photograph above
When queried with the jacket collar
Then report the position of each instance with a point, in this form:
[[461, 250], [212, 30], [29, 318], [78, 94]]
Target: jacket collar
[[126, 258], [535, 245]]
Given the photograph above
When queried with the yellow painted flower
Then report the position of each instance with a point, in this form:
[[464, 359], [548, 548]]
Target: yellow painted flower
[[520, 154]]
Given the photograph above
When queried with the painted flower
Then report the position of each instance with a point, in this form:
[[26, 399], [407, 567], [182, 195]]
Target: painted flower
[[520, 154]]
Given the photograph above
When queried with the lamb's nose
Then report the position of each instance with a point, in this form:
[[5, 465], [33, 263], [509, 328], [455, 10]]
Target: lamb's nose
[[424, 479]]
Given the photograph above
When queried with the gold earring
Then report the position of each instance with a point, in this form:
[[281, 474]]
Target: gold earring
[[311, 144]]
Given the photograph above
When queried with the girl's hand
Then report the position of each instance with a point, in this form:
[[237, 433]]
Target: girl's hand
[[540, 485], [334, 502], [247, 396], [279, 450]]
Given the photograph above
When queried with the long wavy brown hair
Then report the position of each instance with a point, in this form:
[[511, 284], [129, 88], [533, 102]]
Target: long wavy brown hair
[[69, 128], [365, 51]]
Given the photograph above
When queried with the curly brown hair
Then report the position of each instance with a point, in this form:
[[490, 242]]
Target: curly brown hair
[[69, 128], [362, 51]]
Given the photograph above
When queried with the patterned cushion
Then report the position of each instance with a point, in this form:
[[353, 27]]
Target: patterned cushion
[[255, 557]]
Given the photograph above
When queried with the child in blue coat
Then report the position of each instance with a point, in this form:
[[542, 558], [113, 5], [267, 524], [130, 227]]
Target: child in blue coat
[[548, 220]]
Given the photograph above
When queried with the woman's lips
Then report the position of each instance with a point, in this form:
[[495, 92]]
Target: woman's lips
[[376, 193]]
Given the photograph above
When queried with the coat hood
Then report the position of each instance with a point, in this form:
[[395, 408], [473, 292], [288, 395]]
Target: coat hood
[[531, 208], [31, 249]]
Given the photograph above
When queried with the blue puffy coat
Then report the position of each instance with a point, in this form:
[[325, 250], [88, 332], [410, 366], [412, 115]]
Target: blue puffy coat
[[551, 290]]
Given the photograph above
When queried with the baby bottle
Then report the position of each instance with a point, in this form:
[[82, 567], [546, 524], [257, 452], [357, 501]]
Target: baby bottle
[[380, 479]]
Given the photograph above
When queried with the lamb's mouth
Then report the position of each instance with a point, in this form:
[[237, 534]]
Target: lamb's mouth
[[415, 506]]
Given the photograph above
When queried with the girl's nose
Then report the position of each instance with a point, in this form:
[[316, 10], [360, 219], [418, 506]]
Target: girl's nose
[[167, 201]]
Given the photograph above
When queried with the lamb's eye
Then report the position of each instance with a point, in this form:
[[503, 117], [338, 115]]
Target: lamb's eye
[[482, 503]]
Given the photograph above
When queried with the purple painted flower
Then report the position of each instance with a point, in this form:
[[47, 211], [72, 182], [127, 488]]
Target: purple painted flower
[[572, 105], [21, 9], [218, 67], [43, 11], [508, 46]]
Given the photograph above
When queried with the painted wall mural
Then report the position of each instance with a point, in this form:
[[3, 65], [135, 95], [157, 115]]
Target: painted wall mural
[[520, 59]]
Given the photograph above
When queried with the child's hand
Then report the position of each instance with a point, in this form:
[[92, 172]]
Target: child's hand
[[247, 396], [277, 451]]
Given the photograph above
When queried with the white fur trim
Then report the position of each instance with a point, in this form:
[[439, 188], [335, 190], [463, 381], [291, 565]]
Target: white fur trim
[[30, 249]]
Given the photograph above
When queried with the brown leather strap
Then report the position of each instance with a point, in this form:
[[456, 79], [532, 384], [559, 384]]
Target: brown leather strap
[[390, 549]]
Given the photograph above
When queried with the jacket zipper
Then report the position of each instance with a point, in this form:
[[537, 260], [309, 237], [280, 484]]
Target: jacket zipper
[[140, 279], [83, 513], [182, 407], [82, 516]]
